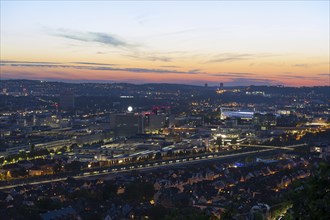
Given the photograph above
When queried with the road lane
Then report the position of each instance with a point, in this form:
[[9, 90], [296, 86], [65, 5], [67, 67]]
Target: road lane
[[148, 166]]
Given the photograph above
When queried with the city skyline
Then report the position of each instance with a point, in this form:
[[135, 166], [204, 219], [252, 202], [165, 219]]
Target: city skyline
[[238, 43]]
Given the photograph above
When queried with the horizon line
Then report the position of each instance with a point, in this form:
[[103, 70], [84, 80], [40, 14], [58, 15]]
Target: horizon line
[[206, 84]]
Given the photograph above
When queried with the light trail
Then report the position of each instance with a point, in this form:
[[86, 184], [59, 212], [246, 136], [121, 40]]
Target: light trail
[[148, 166]]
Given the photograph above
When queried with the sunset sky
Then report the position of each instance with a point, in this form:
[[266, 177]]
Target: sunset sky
[[197, 42]]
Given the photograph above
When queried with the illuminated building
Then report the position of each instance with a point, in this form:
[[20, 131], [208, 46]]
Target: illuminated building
[[126, 124], [156, 122], [264, 121]]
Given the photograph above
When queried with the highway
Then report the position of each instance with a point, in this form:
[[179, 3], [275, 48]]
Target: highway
[[154, 165], [142, 167]]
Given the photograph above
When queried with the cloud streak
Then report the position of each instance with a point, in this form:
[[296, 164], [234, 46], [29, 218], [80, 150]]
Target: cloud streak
[[97, 67], [94, 37], [285, 76], [251, 81], [230, 74], [110, 40], [231, 57], [324, 74], [170, 66], [305, 65], [25, 62], [145, 56], [90, 63]]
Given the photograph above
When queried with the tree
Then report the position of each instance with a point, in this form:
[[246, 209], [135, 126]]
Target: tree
[[157, 212], [219, 141], [73, 166], [57, 168], [170, 153], [109, 189], [27, 213], [47, 204], [312, 200], [158, 156], [33, 147], [141, 191], [186, 214], [249, 159], [228, 214], [2, 159]]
